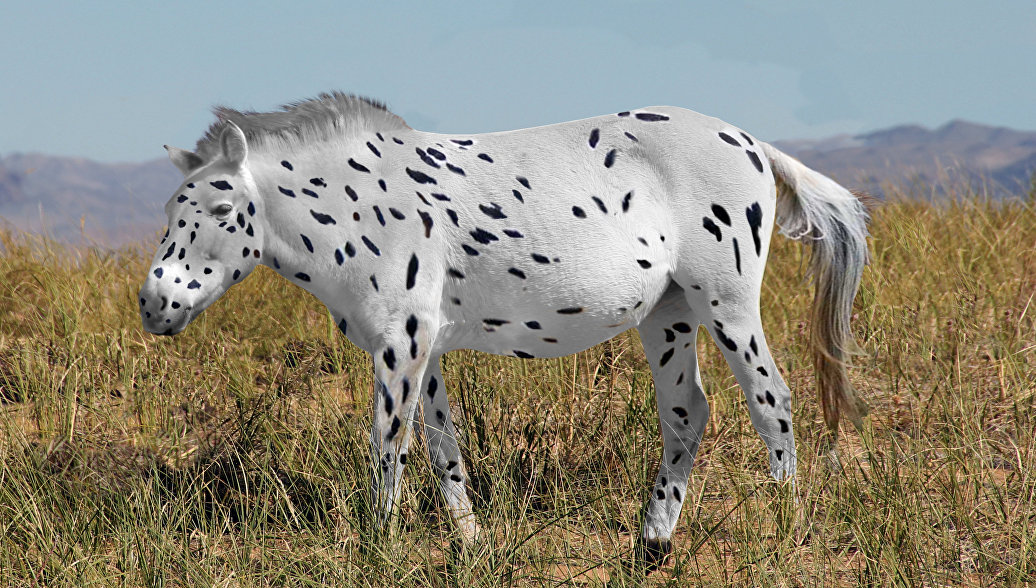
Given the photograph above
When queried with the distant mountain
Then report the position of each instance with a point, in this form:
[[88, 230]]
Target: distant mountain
[[116, 203], [121, 203], [1001, 159]]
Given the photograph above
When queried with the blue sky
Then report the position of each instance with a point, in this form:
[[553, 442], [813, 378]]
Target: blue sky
[[114, 81]]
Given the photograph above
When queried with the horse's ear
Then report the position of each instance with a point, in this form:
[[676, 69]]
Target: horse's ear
[[184, 160], [233, 145]]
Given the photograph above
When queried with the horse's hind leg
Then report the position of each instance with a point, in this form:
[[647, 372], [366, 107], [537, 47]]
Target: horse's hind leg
[[444, 451], [668, 335], [736, 327]]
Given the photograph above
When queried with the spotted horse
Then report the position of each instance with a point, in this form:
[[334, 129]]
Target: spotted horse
[[536, 242]]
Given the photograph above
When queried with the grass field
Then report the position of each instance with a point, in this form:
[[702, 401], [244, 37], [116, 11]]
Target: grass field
[[236, 454]]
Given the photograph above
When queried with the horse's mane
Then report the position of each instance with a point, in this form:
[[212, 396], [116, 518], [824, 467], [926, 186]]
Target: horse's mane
[[328, 116]]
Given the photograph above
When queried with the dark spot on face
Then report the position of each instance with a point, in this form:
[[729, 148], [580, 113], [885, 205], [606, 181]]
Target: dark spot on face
[[237, 274], [485, 157], [181, 199], [624, 113], [784, 425], [631, 137], [433, 386], [513, 233], [762, 371], [651, 117], [680, 411], [440, 197], [455, 169], [660, 494], [731, 140], [540, 258], [389, 357], [495, 322], [626, 201], [600, 204], [221, 185], [463, 142], [306, 242], [455, 273], [352, 193], [358, 167], [469, 249], [381, 184], [595, 136], [287, 165], [609, 159], [377, 213], [339, 258], [712, 228], [779, 453], [517, 195], [682, 327], [753, 346], [349, 249], [310, 193], [644, 263], [373, 149], [286, 191], [679, 379], [666, 357], [158, 272], [534, 325], [251, 209], [193, 285], [747, 138], [374, 283], [578, 212], [769, 398], [669, 336], [302, 276], [516, 272], [523, 182], [572, 310]]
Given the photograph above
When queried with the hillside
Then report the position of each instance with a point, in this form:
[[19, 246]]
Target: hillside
[[912, 155], [119, 203]]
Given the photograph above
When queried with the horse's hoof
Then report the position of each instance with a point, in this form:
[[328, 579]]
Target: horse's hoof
[[652, 553]]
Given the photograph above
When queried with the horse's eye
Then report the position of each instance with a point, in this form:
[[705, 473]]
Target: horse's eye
[[223, 209]]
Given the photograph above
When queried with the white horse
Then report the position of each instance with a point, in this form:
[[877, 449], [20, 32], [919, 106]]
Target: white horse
[[533, 243]]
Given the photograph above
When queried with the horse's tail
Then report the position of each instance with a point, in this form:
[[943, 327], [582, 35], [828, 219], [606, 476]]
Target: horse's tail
[[813, 208]]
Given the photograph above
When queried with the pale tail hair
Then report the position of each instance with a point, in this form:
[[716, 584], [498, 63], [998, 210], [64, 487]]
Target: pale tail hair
[[814, 209]]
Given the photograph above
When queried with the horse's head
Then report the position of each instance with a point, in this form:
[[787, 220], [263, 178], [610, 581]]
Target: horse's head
[[214, 238]]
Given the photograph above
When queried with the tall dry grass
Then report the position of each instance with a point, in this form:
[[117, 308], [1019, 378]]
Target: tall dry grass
[[236, 453]]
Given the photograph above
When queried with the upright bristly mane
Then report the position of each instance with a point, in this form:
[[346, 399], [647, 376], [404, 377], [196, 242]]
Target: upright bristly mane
[[326, 117]]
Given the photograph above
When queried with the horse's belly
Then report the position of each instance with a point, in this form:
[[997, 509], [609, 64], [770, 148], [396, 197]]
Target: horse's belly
[[574, 302]]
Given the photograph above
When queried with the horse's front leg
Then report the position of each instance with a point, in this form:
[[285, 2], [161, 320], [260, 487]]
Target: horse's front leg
[[398, 370]]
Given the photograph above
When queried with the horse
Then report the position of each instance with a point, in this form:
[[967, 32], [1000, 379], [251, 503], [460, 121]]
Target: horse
[[537, 242]]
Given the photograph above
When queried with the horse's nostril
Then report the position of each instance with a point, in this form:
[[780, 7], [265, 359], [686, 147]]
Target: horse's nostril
[[165, 301]]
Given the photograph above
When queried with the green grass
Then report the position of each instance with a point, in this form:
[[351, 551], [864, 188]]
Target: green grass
[[236, 453]]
